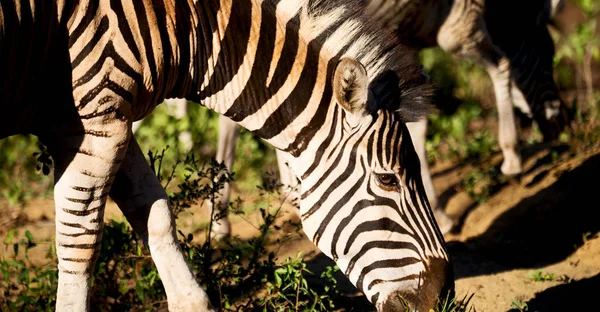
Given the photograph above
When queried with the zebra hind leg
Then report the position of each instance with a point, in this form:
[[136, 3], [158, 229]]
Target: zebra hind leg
[[465, 35], [145, 204], [499, 71], [87, 155], [229, 132]]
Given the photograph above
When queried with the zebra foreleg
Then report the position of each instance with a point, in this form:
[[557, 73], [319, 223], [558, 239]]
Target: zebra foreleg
[[418, 133], [145, 204], [87, 156]]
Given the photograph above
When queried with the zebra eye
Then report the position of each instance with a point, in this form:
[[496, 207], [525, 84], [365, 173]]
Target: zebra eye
[[387, 181]]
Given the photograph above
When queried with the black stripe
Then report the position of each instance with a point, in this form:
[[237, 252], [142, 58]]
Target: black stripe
[[397, 145], [91, 174], [249, 101], [418, 219], [208, 22], [394, 246], [147, 36], [83, 189], [383, 224], [233, 48], [74, 272], [95, 114], [87, 19], [380, 150], [86, 201], [82, 213], [77, 226], [288, 55], [323, 145], [78, 260], [106, 83], [81, 246], [370, 143], [101, 29], [94, 233], [374, 298], [117, 7], [389, 263], [343, 201]]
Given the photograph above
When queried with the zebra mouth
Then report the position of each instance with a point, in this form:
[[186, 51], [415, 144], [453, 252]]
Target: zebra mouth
[[436, 284]]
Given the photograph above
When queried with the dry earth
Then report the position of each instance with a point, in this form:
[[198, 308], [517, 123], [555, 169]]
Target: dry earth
[[548, 220]]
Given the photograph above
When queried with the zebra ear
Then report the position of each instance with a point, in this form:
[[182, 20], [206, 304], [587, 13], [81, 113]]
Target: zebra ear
[[351, 87]]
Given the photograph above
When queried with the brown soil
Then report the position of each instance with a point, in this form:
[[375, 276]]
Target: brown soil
[[547, 220]]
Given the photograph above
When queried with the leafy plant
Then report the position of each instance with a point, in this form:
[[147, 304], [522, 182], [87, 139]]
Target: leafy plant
[[541, 276], [519, 305]]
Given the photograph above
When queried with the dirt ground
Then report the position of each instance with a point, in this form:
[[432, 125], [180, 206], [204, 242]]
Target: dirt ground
[[547, 220]]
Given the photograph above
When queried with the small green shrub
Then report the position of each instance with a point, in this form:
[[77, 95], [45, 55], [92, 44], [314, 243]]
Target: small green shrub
[[519, 305], [541, 276]]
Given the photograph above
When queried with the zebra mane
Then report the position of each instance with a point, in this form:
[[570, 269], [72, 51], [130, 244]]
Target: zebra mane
[[393, 69]]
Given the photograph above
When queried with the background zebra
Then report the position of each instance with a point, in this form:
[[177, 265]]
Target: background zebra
[[297, 73], [517, 55], [510, 39]]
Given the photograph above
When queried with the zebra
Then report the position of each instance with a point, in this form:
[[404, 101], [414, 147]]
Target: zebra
[[467, 30], [316, 79]]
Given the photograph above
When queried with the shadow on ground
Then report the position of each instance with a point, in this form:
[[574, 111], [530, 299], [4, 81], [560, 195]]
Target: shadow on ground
[[539, 230], [581, 295]]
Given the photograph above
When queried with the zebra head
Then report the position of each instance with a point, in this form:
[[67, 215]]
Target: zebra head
[[534, 78], [363, 203]]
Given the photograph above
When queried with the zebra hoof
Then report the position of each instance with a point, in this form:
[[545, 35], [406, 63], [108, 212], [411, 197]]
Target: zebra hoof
[[514, 179], [444, 222]]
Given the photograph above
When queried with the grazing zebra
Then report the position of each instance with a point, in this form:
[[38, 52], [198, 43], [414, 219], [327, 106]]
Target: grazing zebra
[[316, 79]]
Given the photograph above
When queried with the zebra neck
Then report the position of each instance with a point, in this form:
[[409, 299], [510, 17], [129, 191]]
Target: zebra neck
[[252, 65]]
